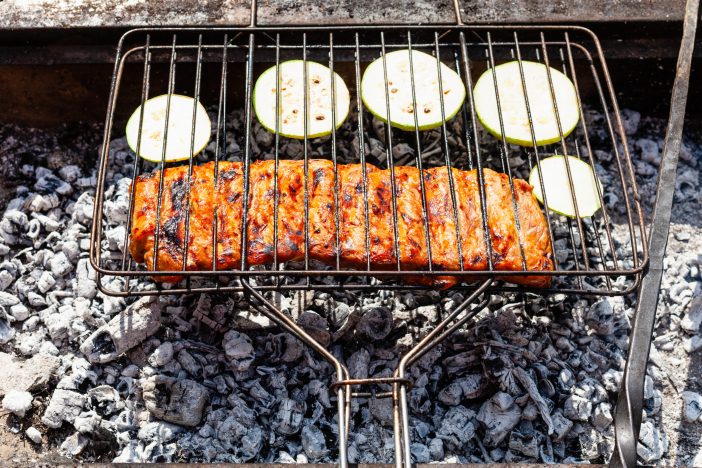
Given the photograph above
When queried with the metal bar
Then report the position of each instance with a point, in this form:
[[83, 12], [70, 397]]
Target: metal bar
[[627, 420], [137, 160], [305, 117], [503, 149], [578, 219], [388, 151], [533, 141], [171, 84], [583, 123], [501, 289], [247, 151], [418, 157], [221, 123], [426, 343], [333, 151], [362, 147], [447, 156], [276, 195], [186, 236], [272, 312], [618, 159], [478, 163]]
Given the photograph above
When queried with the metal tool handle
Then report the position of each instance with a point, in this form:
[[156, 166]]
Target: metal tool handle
[[627, 419]]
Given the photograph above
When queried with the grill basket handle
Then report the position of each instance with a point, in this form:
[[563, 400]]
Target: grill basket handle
[[627, 421]]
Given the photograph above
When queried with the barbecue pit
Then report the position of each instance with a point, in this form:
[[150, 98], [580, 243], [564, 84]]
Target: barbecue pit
[[154, 49]]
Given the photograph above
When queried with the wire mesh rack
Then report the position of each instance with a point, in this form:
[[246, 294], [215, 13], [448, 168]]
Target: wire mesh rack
[[219, 67]]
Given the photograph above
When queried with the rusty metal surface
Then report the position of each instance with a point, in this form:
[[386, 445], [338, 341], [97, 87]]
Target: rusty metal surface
[[103, 13]]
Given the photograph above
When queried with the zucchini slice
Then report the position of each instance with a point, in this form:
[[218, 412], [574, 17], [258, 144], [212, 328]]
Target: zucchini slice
[[180, 128], [399, 84], [515, 118], [558, 192], [291, 105]]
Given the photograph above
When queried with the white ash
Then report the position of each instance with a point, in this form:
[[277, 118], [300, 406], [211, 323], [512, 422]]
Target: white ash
[[207, 379], [17, 402]]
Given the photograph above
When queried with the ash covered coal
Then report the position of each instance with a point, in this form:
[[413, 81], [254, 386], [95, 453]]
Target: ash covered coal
[[205, 378]]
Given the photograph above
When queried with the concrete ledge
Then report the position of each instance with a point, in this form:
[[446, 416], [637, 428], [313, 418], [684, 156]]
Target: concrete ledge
[[103, 13]]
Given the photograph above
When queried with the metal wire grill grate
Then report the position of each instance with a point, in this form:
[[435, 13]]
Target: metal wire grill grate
[[219, 67]]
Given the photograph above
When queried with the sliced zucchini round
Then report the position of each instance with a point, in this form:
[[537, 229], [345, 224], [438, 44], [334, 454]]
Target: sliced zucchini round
[[515, 118], [374, 90], [180, 144], [291, 105], [557, 186]]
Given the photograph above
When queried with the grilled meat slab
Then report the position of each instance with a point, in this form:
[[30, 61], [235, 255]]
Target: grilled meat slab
[[391, 224]]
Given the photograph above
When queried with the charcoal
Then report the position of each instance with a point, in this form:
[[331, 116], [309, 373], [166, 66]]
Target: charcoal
[[34, 435], [284, 348], [692, 319], [159, 431], [457, 427], [6, 331], [498, 415], [313, 442], [65, 405], [375, 323], [162, 355], [316, 326], [692, 406], [289, 416], [602, 416], [8, 300], [176, 401], [577, 408], [124, 331], [652, 443], [525, 365], [105, 400], [74, 444], [436, 449]]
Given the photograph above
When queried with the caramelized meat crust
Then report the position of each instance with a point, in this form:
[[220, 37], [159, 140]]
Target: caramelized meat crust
[[449, 234]]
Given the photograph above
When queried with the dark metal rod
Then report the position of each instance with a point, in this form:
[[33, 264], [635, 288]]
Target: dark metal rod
[[196, 102], [388, 152], [478, 159], [276, 195], [627, 420], [305, 151], [503, 149], [418, 158], [171, 85], [247, 151], [571, 184], [426, 343], [533, 140], [137, 159], [333, 152], [583, 123], [362, 148], [342, 374], [219, 144], [447, 156]]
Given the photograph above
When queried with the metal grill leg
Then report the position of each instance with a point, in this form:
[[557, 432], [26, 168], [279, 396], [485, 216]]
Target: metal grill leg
[[342, 374], [403, 457], [630, 402]]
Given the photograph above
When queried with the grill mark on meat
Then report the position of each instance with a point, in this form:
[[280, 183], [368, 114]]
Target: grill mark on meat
[[411, 220], [318, 178], [170, 230]]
